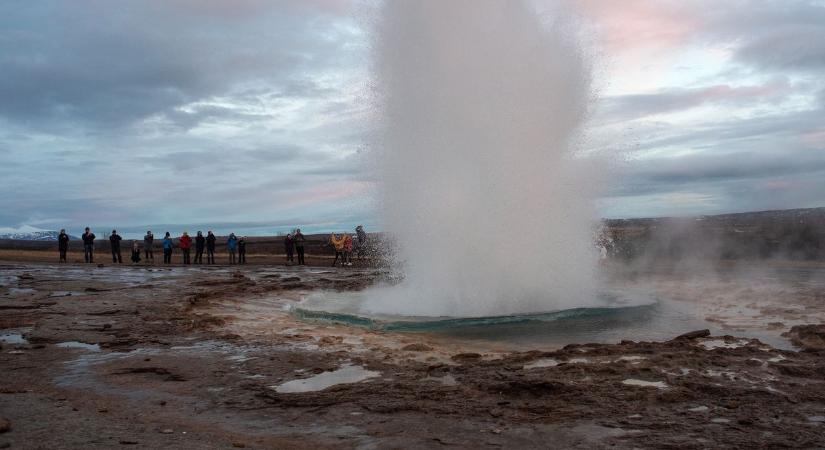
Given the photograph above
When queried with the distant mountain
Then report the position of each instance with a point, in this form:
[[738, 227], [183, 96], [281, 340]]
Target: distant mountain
[[28, 233]]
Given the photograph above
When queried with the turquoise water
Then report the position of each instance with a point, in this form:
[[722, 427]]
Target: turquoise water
[[626, 315], [451, 324]]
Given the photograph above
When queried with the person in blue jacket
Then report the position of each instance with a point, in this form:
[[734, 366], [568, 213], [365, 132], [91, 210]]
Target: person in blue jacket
[[232, 247], [168, 245]]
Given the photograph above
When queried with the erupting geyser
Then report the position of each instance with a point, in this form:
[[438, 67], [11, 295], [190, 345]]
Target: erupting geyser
[[481, 107]]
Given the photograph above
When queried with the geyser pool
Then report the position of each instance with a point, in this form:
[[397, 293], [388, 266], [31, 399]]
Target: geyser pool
[[481, 106]]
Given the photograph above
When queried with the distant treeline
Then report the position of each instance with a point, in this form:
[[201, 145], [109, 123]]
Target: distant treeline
[[797, 234]]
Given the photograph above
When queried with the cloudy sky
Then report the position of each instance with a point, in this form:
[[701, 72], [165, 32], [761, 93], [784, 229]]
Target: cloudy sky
[[254, 114]]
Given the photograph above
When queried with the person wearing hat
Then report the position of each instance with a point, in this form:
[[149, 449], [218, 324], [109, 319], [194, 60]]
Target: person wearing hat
[[168, 245], [114, 243], [232, 247], [63, 244], [185, 243], [88, 246], [200, 243]]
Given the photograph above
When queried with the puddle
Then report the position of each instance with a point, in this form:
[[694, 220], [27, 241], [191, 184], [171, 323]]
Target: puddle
[[720, 420], [446, 380], [698, 409], [13, 338], [632, 358], [578, 361], [346, 374], [17, 292], [79, 345], [544, 362], [719, 343], [816, 419], [643, 383], [66, 294]]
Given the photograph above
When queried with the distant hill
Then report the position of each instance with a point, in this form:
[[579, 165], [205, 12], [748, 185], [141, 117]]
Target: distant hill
[[27, 233], [797, 234]]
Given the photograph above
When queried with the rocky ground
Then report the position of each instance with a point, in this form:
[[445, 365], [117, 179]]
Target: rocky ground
[[137, 357]]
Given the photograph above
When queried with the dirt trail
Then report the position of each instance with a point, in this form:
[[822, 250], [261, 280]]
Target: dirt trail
[[199, 358]]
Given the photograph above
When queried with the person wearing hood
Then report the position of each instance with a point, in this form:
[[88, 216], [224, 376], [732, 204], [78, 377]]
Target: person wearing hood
[[200, 243], [148, 242], [232, 247], [242, 250], [88, 246], [299, 241], [210, 247], [168, 245], [289, 246], [135, 252], [63, 245], [185, 243], [114, 243], [338, 244]]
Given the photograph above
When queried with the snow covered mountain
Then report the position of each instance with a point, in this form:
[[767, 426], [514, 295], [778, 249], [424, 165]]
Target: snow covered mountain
[[29, 233]]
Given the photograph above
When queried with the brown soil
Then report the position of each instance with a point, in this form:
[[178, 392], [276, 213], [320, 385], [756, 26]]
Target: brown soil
[[189, 358]]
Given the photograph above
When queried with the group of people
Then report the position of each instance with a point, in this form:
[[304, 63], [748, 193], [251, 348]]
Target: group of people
[[236, 247], [345, 246]]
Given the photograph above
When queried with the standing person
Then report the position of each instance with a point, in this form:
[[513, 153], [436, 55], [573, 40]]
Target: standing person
[[210, 247], [185, 243], [242, 250], [347, 250], [63, 244], [289, 246], [89, 246], [232, 247], [200, 242], [338, 244], [360, 241], [114, 243], [168, 245], [135, 252], [299, 240], [148, 242]]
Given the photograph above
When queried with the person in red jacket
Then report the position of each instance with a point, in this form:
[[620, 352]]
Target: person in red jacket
[[185, 243]]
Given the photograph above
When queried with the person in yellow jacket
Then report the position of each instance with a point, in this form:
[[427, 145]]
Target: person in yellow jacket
[[338, 243]]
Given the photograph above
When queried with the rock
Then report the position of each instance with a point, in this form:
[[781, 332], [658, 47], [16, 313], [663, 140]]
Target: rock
[[809, 337], [692, 335], [239, 445], [466, 357], [5, 425], [127, 442], [167, 431], [419, 347]]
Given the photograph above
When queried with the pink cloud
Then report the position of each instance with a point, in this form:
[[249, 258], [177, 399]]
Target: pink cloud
[[638, 24]]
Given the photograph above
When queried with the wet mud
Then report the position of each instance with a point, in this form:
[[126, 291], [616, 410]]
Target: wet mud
[[212, 358]]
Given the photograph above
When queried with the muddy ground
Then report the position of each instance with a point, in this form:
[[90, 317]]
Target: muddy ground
[[150, 357]]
